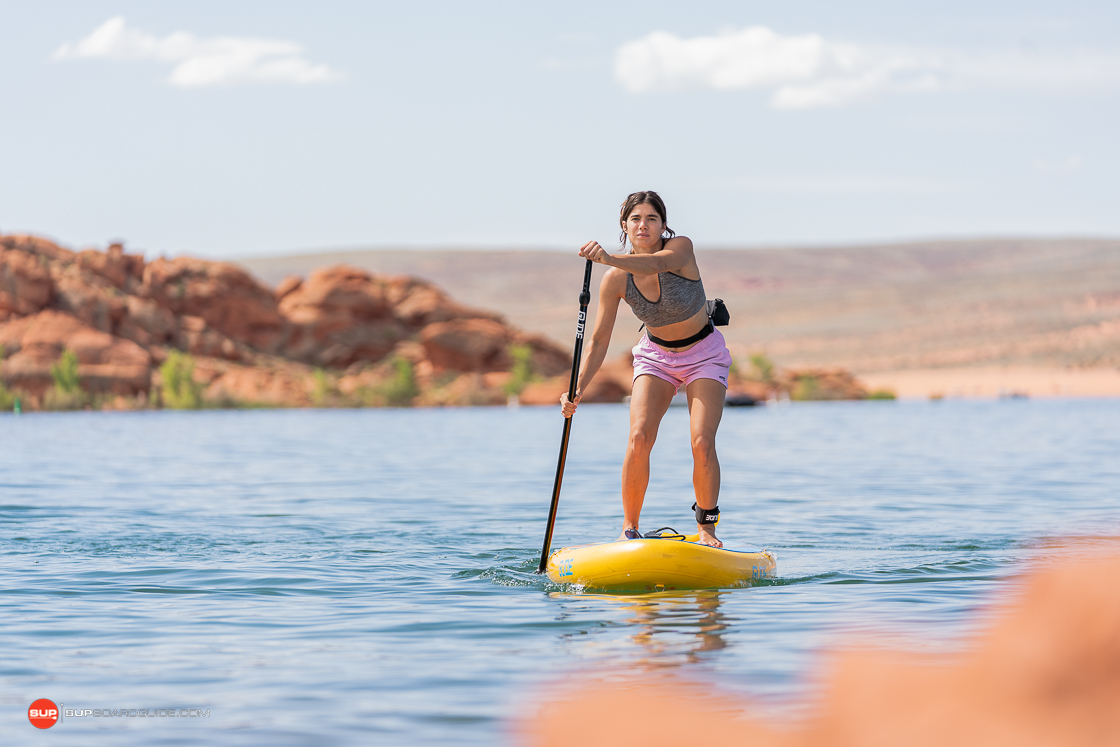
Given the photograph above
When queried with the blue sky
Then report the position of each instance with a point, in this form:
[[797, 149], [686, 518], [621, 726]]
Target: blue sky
[[234, 129]]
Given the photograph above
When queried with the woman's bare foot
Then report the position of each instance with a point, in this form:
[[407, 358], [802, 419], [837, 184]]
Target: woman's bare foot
[[707, 534], [634, 531]]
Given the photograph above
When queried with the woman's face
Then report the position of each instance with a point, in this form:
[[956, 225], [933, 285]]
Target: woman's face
[[644, 227]]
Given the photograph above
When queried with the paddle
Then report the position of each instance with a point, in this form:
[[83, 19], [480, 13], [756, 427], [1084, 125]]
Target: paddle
[[584, 299]]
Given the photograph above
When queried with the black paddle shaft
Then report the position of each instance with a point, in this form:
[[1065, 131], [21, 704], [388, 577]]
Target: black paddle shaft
[[584, 299]]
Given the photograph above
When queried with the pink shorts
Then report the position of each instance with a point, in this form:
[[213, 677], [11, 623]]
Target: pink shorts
[[707, 359]]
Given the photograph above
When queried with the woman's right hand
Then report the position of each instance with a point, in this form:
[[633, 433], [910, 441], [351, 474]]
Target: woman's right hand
[[591, 250], [566, 407]]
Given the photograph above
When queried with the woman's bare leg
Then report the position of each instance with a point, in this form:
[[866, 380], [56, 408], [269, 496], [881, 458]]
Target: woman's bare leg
[[648, 403], [705, 409]]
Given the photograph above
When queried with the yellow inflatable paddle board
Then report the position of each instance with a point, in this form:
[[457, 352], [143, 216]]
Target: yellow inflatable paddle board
[[665, 563]]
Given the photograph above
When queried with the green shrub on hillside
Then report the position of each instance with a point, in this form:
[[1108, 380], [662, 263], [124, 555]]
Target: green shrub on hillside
[[66, 394], [180, 390], [521, 373], [65, 373], [323, 388], [401, 388], [7, 398], [762, 368], [807, 389], [56, 399], [882, 394]]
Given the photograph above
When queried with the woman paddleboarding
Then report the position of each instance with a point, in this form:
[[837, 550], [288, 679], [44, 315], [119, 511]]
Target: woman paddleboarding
[[660, 280]]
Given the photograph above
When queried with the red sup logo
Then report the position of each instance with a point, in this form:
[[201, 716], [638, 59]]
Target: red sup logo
[[43, 713]]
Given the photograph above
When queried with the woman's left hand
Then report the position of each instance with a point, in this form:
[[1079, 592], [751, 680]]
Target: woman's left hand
[[591, 250], [567, 408]]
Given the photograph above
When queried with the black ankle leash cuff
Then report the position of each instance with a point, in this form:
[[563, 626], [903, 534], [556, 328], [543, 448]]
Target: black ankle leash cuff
[[706, 515]]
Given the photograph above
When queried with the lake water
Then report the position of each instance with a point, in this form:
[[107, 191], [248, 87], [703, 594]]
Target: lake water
[[366, 576]]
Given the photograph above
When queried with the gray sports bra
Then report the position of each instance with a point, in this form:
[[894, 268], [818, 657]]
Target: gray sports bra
[[680, 299]]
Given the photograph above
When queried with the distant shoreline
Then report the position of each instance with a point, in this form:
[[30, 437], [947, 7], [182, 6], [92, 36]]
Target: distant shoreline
[[993, 381]]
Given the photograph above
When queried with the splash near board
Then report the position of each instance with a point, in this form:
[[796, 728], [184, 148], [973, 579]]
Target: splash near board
[[661, 561]]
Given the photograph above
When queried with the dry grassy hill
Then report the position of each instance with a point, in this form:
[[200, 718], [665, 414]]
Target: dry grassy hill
[[1012, 305]]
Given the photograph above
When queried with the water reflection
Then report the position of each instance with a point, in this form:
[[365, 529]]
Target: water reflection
[[665, 629]]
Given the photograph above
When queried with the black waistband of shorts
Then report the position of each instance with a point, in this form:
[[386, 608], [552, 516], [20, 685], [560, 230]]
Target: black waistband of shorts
[[708, 329]]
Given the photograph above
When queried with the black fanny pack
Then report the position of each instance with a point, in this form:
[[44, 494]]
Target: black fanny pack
[[718, 313], [718, 316]]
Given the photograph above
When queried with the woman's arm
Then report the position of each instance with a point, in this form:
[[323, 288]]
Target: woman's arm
[[611, 291], [675, 254]]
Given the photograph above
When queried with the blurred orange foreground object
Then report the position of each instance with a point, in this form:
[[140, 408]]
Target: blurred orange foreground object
[[1046, 672]]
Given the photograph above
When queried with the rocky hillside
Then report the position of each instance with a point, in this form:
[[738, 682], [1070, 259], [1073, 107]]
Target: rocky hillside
[[107, 329]]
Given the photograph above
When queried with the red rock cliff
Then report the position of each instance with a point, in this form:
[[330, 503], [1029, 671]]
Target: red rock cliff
[[332, 338]]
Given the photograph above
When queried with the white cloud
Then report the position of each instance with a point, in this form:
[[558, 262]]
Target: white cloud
[[218, 61], [810, 71]]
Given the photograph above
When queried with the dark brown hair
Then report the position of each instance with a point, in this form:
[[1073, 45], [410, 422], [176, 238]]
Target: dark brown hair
[[643, 198]]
